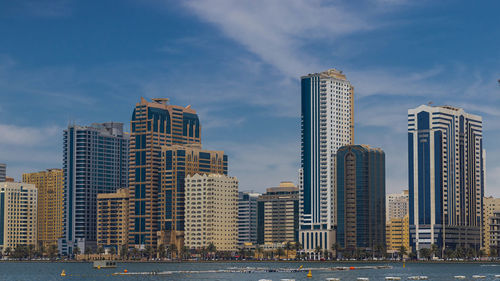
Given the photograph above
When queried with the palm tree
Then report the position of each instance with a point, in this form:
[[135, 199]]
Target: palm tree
[[173, 249], [318, 251], [52, 252], [76, 251], [259, 251], [100, 250], [184, 252], [8, 251], [280, 252], [123, 251], [112, 251], [211, 249], [434, 250], [335, 249], [288, 247], [402, 251], [161, 251]]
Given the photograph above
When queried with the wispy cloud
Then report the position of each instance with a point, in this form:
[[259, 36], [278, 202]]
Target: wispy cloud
[[27, 136]]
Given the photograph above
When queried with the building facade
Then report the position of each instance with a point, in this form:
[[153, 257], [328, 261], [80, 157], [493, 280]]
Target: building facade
[[327, 123], [112, 219], [396, 205], [398, 234], [490, 206], [3, 172], [360, 197], [154, 124], [446, 172], [18, 210], [247, 218], [49, 186], [211, 212], [177, 163], [95, 161], [494, 234], [278, 214]]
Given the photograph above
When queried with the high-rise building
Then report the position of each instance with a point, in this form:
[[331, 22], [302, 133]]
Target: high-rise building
[[3, 172], [446, 171], [327, 123], [95, 161], [49, 186], [278, 214], [360, 197], [247, 218], [490, 206], [396, 205], [112, 219], [154, 124], [17, 215], [178, 162], [211, 211]]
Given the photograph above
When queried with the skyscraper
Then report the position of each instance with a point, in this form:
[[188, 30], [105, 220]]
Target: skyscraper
[[154, 124], [247, 218], [17, 215], [49, 185], [490, 207], [95, 161], [211, 211], [278, 214], [177, 163], [446, 171], [3, 172], [327, 123], [360, 197], [396, 205]]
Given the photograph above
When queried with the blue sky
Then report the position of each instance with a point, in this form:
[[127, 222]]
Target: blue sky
[[238, 64]]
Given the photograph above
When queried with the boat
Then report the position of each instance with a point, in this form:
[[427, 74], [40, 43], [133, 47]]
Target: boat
[[392, 278], [104, 264], [363, 279], [423, 278], [478, 276], [459, 277], [332, 279]]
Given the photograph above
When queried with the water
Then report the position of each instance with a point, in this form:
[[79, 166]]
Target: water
[[17, 271]]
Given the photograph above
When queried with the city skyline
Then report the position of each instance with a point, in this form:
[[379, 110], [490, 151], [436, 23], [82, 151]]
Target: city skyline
[[95, 82]]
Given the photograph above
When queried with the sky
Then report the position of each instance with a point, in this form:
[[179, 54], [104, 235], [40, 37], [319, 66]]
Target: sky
[[238, 64]]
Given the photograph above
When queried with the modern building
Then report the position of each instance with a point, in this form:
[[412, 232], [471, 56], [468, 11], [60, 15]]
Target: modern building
[[3, 172], [113, 219], [95, 161], [49, 186], [278, 214], [327, 123], [398, 234], [247, 218], [494, 233], [154, 124], [491, 205], [396, 205], [178, 162], [360, 197], [17, 215], [446, 177], [211, 212]]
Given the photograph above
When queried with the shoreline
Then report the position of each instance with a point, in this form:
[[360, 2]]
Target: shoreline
[[260, 261]]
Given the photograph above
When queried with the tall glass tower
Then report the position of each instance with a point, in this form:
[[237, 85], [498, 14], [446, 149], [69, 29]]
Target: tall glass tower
[[446, 177], [327, 123], [154, 124], [95, 161]]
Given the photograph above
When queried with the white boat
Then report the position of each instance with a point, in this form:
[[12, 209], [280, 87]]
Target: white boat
[[423, 278], [332, 279], [459, 277], [265, 280], [363, 279], [392, 278], [104, 264], [413, 277], [497, 276], [478, 276], [287, 280]]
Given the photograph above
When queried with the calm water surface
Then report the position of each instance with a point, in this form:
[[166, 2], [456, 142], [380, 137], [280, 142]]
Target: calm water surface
[[12, 271]]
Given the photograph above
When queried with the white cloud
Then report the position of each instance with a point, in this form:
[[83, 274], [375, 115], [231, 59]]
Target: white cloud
[[27, 136]]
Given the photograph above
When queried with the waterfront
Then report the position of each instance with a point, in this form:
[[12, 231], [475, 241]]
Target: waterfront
[[17, 271]]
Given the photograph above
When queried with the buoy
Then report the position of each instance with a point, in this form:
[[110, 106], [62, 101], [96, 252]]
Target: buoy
[[300, 267], [309, 275], [404, 265], [63, 273], [125, 271], [98, 267], [351, 268]]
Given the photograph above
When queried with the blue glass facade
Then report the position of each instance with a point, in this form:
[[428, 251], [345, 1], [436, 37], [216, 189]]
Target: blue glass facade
[[360, 197]]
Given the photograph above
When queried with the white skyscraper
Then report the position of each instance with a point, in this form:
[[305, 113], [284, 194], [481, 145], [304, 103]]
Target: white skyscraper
[[446, 177], [327, 123]]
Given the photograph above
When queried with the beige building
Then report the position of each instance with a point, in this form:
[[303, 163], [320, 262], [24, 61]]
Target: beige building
[[396, 205], [398, 234], [211, 211], [112, 219], [18, 208], [49, 185], [490, 206], [278, 214], [494, 232]]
